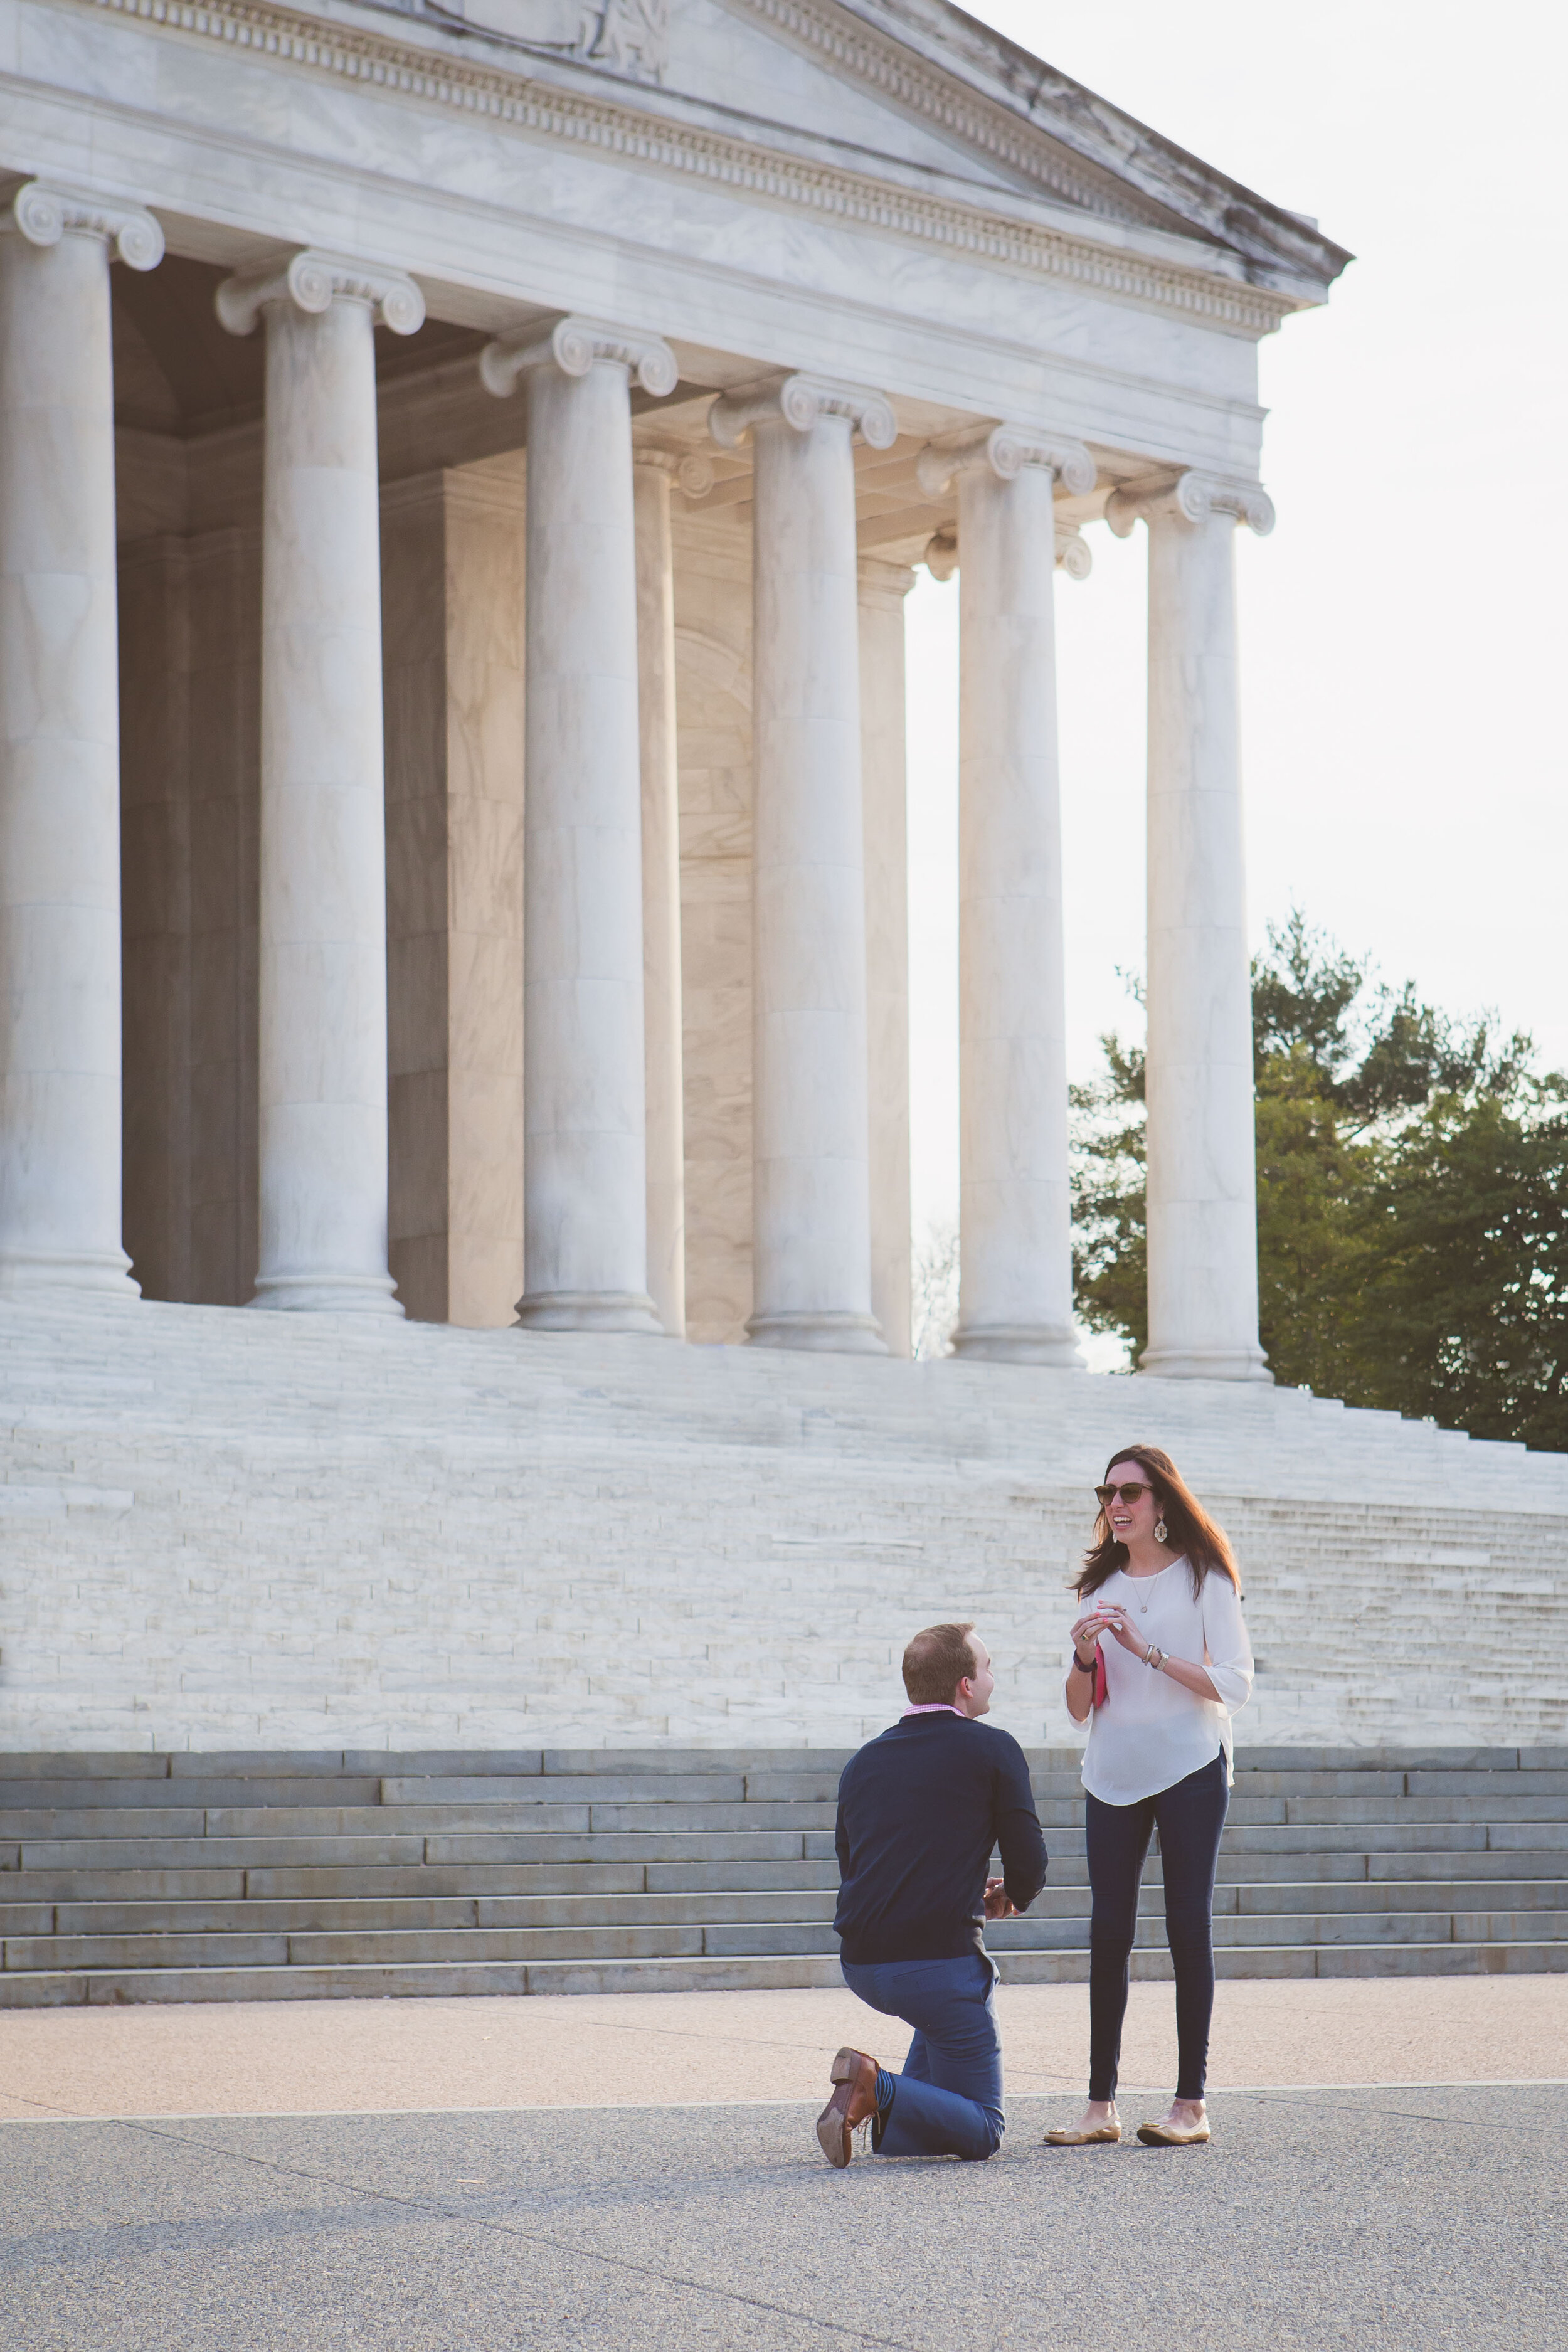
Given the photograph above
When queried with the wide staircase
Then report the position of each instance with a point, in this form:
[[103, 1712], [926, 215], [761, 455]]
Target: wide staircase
[[227, 1532], [262, 1876]]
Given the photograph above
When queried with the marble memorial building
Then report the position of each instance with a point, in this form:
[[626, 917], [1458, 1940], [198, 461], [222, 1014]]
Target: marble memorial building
[[462, 464], [461, 471]]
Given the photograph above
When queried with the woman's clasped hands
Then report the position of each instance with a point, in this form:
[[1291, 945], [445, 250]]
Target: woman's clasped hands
[[1108, 1619]]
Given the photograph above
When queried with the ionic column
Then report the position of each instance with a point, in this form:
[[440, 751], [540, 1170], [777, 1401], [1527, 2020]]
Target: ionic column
[[811, 1213], [584, 1146], [653, 473], [322, 1017], [60, 744], [1203, 1200], [885, 806], [1015, 1209]]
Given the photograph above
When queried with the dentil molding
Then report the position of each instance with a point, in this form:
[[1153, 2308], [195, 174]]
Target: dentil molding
[[1006, 450], [1195, 497], [45, 210], [313, 281], [407, 69], [801, 401], [573, 345]]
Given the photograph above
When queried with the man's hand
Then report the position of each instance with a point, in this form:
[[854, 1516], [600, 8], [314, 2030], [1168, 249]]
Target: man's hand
[[996, 1904]]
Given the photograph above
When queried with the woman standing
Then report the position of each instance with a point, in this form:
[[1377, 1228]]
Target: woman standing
[[1160, 1582]]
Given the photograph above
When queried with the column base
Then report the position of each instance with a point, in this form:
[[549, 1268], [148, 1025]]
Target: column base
[[589, 1310], [1206, 1364], [28, 1274], [1019, 1343], [327, 1294], [817, 1331]]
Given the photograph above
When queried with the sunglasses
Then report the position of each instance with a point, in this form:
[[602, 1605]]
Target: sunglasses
[[1128, 1494]]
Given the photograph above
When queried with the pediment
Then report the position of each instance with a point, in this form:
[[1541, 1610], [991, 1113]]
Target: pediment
[[626, 37], [916, 84]]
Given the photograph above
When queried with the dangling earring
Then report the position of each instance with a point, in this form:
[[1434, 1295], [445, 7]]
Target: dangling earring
[[1160, 1529]]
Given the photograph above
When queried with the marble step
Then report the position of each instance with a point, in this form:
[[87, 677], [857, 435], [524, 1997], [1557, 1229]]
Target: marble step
[[728, 1939], [434, 1881], [437, 1493], [1529, 1796], [710, 1908], [157, 1888], [48, 1988], [262, 1857], [616, 1869]]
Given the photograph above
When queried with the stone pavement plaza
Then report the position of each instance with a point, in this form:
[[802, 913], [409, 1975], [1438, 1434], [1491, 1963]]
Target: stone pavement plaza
[[1388, 2171]]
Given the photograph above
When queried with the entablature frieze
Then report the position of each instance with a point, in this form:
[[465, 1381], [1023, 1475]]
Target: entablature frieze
[[1001, 235]]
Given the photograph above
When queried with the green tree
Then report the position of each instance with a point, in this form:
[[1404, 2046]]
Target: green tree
[[1464, 1313], [1412, 1200]]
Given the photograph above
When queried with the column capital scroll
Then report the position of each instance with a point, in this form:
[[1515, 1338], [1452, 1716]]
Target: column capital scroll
[[800, 401], [690, 470], [1072, 551], [1006, 449], [1195, 497], [573, 344], [1074, 554], [313, 281], [44, 211]]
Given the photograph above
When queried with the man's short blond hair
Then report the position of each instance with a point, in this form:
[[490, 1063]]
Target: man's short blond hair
[[938, 1659]]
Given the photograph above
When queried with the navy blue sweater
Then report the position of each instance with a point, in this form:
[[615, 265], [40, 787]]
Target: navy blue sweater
[[919, 1810]]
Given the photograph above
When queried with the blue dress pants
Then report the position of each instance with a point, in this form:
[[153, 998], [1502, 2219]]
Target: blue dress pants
[[948, 2100], [1190, 1818]]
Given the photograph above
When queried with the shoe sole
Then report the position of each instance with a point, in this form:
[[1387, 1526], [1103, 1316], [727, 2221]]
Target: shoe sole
[[1152, 2138], [835, 2134], [1083, 2140]]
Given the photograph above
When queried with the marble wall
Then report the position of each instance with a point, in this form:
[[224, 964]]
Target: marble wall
[[190, 757], [225, 821], [452, 615], [154, 852], [713, 711]]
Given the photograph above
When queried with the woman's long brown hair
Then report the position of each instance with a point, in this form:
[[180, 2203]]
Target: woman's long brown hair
[[1188, 1527]]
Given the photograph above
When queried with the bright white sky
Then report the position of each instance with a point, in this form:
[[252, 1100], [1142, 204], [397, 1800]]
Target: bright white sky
[[1404, 664]]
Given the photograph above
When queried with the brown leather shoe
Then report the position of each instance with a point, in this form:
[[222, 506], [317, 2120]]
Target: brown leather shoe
[[854, 2102]]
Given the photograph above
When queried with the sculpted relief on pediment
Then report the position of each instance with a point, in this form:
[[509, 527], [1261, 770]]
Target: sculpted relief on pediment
[[631, 36]]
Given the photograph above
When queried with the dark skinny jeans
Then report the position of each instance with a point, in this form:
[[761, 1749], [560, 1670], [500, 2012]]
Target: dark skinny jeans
[[1189, 1818]]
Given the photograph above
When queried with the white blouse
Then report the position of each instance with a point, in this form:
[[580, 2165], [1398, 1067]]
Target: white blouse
[[1153, 1731]]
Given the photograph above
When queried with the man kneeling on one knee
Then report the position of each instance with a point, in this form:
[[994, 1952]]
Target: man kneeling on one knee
[[919, 1810]]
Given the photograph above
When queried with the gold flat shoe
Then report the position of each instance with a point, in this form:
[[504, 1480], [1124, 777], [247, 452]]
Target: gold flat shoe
[[1069, 2136], [1162, 2136]]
